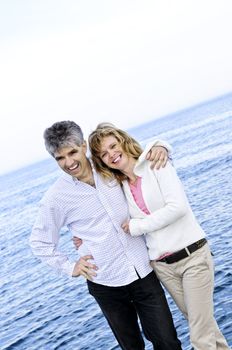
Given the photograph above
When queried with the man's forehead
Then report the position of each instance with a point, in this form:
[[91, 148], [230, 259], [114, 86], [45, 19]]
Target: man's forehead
[[67, 149]]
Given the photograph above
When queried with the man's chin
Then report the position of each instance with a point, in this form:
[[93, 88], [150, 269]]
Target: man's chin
[[72, 173]]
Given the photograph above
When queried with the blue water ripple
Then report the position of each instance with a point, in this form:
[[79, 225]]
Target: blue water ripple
[[45, 311]]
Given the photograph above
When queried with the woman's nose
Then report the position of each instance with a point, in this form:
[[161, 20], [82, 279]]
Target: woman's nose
[[111, 152]]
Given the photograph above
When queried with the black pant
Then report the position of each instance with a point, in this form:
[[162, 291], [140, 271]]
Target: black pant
[[144, 298]]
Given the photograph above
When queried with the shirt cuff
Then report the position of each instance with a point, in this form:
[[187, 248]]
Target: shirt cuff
[[158, 143], [134, 227], [68, 268]]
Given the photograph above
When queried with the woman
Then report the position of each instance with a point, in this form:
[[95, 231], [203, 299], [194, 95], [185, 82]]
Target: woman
[[159, 209]]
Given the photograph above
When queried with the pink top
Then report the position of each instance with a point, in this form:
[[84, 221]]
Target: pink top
[[136, 190]]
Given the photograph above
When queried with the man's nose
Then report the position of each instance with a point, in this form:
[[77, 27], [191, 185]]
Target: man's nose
[[69, 161]]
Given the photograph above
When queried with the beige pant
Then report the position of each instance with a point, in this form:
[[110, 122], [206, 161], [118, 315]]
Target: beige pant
[[190, 282]]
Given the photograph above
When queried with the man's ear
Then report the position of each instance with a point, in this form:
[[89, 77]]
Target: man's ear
[[84, 145]]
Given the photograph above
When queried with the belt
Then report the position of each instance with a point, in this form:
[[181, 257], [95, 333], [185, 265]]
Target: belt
[[183, 253]]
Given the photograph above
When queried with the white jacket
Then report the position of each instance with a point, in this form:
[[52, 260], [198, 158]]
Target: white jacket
[[171, 225]]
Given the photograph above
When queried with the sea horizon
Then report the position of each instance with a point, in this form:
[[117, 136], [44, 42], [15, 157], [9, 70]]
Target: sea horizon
[[133, 128]]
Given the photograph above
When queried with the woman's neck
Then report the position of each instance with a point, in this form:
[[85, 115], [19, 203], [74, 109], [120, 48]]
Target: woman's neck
[[129, 170]]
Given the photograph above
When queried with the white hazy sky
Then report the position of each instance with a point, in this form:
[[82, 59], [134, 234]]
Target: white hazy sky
[[124, 61]]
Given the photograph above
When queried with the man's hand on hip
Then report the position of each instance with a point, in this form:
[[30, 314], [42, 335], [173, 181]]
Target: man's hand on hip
[[84, 268]]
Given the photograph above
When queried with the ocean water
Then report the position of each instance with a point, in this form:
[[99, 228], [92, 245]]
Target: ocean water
[[40, 310]]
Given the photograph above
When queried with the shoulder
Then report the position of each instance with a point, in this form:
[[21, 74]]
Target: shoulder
[[168, 171], [53, 192], [144, 167], [108, 182]]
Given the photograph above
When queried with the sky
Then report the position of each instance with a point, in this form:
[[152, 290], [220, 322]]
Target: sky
[[122, 61]]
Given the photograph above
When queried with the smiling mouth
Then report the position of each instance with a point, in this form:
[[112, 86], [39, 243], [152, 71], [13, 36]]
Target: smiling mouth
[[116, 159], [74, 167]]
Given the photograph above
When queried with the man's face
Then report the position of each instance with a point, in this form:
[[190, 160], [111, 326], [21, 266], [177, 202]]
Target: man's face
[[73, 160]]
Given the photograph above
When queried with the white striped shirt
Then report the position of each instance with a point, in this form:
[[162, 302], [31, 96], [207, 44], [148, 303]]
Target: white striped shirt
[[95, 215]]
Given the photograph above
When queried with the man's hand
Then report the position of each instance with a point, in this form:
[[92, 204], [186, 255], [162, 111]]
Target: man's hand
[[77, 242], [125, 227], [84, 268], [158, 157]]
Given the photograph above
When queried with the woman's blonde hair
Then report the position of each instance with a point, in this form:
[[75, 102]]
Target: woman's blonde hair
[[129, 145]]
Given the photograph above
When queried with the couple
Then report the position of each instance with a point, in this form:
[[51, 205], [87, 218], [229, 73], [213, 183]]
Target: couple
[[89, 200]]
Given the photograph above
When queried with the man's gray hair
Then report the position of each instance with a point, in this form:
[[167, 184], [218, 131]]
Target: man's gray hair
[[62, 134]]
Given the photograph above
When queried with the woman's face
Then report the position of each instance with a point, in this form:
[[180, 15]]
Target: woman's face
[[112, 154]]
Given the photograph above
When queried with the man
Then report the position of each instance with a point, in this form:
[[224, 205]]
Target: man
[[120, 277]]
